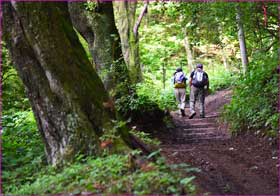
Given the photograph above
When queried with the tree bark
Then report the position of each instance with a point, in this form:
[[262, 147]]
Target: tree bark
[[98, 27], [125, 18], [66, 94], [241, 38], [137, 24]]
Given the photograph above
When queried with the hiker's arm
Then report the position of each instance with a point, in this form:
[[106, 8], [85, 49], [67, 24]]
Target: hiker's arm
[[185, 79], [207, 84], [190, 81], [174, 77]]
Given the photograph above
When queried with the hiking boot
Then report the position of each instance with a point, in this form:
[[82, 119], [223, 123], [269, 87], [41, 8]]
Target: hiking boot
[[192, 115], [183, 112]]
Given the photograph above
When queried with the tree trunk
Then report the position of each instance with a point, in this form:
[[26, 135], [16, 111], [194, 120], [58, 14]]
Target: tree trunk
[[137, 24], [241, 37], [66, 94], [188, 50], [125, 18], [98, 27]]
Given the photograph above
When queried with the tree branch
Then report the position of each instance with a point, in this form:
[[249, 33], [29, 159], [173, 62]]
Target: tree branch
[[137, 24], [268, 48]]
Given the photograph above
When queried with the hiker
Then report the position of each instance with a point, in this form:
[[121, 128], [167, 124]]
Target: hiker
[[199, 85], [179, 81]]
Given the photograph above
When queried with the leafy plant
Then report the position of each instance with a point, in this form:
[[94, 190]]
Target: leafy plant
[[145, 137], [13, 95], [22, 149], [253, 106], [138, 107], [110, 174]]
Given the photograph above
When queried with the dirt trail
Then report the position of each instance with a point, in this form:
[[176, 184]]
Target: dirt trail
[[229, 165]]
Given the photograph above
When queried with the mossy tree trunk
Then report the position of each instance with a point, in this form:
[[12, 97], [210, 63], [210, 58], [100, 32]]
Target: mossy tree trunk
[[95, 22], [125, 18], [66, 94]]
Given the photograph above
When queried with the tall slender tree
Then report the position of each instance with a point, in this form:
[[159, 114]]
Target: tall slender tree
[[241, 38], [188, 50]]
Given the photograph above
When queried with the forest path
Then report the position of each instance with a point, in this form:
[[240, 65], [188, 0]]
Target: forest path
[[229, 165]]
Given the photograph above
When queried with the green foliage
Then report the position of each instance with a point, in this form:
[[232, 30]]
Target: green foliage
[[161, 52], [253, 106], [12, 88], [162, 48], [145, 137], [90, 5], [137, 107], [112, 174], [22, 149], [85, 46], [153, 90], [221, 78]]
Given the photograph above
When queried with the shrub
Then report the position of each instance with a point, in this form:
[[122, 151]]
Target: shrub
[[254, 101], [221, 78], [111, 174], [138, 107], [22, 149]]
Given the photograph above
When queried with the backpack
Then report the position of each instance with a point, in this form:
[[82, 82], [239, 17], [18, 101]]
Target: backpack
[[179, 80], [199, 79]]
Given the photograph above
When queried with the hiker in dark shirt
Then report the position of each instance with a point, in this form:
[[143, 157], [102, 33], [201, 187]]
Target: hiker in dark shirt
[[199, 84]]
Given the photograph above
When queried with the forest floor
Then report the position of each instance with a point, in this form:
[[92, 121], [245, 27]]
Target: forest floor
[[244, 164]]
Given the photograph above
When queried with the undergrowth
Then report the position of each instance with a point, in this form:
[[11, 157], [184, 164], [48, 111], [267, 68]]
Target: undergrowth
[[22, 150], [254, 101], [25, 170], [112, 174]]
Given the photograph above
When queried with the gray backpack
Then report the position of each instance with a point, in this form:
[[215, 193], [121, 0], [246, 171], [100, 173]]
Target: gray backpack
[[199, 79]]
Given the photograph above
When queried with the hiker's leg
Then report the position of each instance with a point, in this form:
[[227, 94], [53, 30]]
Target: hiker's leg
[[192, 99], [177, 95], [183, 98], [182, 101], [201, 102]]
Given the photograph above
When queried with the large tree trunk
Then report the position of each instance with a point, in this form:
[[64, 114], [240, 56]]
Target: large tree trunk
[[65, 92], [97, 26], [241, 37], [125, 18]]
